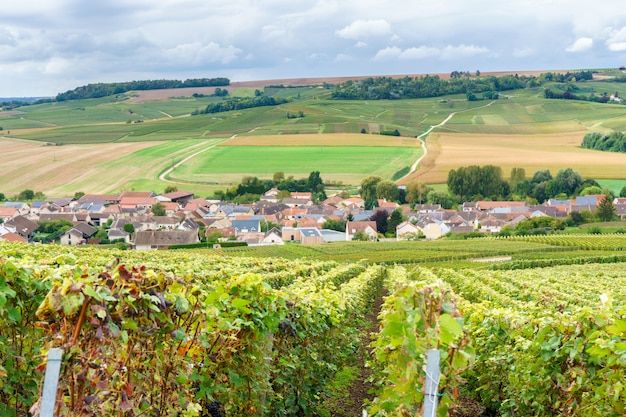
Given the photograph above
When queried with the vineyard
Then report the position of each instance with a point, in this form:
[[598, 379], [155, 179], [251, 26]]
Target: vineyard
[[205, 333]]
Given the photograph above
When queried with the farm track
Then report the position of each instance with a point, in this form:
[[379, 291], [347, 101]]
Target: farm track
[[164, 175], [430, 129]]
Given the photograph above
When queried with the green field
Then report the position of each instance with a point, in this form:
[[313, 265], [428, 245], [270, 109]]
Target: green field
[[225, 164]]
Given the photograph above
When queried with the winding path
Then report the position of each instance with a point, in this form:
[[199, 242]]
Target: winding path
[[430, 129], [163, 176]]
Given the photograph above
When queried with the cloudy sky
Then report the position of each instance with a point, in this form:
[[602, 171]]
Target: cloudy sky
[[50, 46]]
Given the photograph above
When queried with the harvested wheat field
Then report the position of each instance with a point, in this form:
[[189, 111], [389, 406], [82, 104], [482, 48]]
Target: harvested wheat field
[[63, 170], [448, 151]]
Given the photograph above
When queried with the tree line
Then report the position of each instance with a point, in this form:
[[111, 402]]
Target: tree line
[[473, 183], [387, 88], [251, 188], [240, 103], [99, 90], [610, 142]]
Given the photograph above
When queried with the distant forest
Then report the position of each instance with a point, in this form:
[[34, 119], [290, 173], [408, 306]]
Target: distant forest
[[107, 89], [610, 142], [240, 103], [387, 88]]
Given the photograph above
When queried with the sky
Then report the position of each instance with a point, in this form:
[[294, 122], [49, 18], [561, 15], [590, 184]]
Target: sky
[[51, 46]]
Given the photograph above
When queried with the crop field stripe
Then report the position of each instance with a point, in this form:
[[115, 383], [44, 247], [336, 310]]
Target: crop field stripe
[[357, 140]]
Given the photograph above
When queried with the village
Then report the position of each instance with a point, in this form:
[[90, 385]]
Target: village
[[128, 217]]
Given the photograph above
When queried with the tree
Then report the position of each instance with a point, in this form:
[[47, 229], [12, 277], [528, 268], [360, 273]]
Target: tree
[[517, 175], [170, 189], [568, 181], [388, 190], [442, 198], [380, 217], [394, 220], [158, 209], [416, 192], [26, 195], [541, 176], [333, 224], [266, 226], [622, 192], [475, 182], [593, 190], [368, 191], [278, 177], [78, 195], [316, 186], [360, 235], [606, 209], [363, 131], [129, 228], [214, 237], [2, 197]]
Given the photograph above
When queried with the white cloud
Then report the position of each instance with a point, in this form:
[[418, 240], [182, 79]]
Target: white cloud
[[617, 47], [343, 58], [360, 29], [197, 53], [360, 44], [389, 52], [56, 65], [581, 45], [616, 41], [422, 52], [461, 51]]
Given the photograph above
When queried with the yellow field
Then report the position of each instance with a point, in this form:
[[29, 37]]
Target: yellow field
[[341, 139], [63, 170], [448, 151]]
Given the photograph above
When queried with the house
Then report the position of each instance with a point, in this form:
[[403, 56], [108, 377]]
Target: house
[[251, 238], [491, 224], [229, 210], [369, 227], [77, 235], [8, 212], [165, 222], [23, 227], [270, 195], [11, 237], [406, 230], [310, 236], [332, 235], [492, 205], [117, 234], [181, 197], [153, 239], [188, 224], [141, 204], [273, 236], [434, 229], [297, 202], [246, 226]]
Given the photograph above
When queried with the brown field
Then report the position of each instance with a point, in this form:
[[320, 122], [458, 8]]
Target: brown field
[[448, 151], [62, 170], [159, 95], [342, 139]]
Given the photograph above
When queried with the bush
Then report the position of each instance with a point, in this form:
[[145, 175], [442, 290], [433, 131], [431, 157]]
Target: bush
[[594, 230]]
